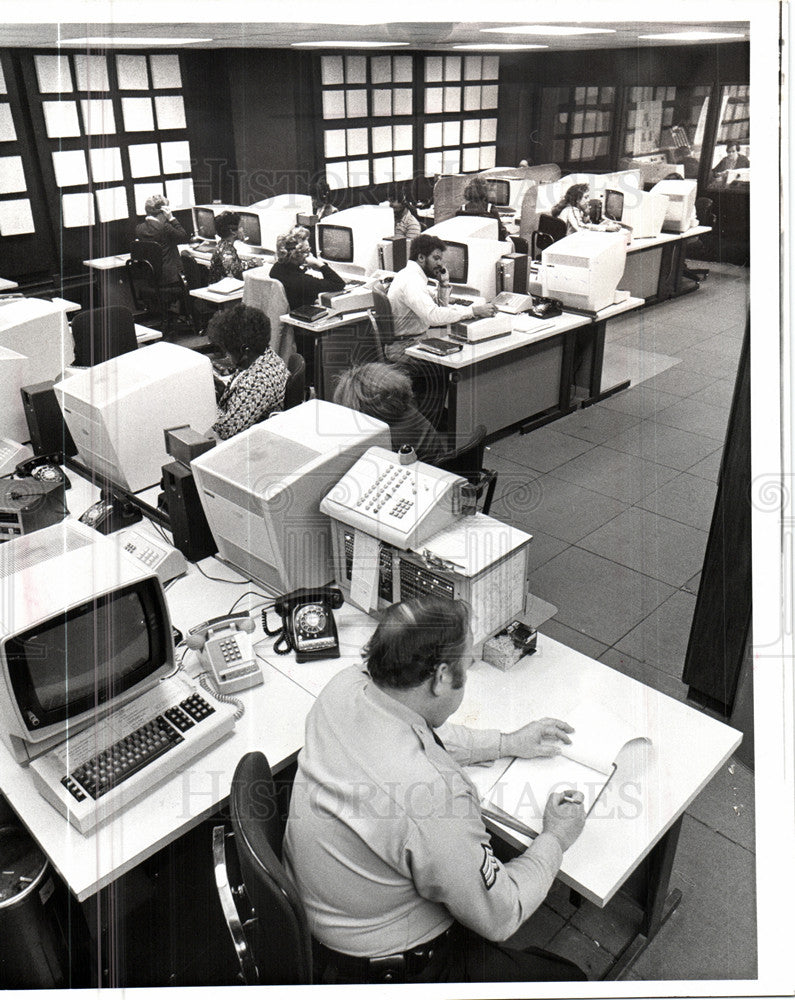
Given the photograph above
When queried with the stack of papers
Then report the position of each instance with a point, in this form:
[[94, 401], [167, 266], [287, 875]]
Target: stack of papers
[[514, 791], [226, 286]]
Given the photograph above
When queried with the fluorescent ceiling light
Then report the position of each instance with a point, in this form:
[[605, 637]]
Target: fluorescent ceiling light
[[348, 45], [120, 41], [696, 36], [500, 47], [549, 29]]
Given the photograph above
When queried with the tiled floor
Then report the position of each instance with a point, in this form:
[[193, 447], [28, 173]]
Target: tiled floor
[[622, 493]]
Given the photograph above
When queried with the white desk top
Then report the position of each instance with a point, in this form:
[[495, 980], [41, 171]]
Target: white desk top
[[326, 323], [217, 297], [145, 334], [657, 241], [645, 797], [7, 285], [472, 354], [107, 263]]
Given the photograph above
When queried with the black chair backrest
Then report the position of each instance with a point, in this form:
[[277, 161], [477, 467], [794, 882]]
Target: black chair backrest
[[279, 937], [149, 251], [704, 212], [143, 285], [102, 334], [195, 274], [296, 382], [550, 230], [466, 459], [383, 316]]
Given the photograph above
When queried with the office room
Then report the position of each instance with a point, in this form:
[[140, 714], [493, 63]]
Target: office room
[[599, 439]]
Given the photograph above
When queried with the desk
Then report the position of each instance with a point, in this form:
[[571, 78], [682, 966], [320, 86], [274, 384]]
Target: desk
[[640, 817], [331, 345], [653, 270], [217, 298], [525, 377], [7, 285], [110, 277]]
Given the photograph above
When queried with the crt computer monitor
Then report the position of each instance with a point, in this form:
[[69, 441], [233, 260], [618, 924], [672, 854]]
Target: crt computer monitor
[[84, 632], [117, 411], [252, 235], [583, 270], [681, 196], [278, 215], [499, 192], [613, 206], [204, 223], [353, 236], [473, 252], [261, 490]]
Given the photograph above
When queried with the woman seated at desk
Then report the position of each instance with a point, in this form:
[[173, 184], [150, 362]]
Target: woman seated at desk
[[259, 376], [384, 392], [476, 195], [225, 261], [293, 256], [573, 210]]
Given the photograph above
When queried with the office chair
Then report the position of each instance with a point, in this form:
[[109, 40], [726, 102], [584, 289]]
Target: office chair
[[145, 271], [101, 334], [267, 294], [467, 460], [706, 217], [201, 312], [263, 911], [550, 230], [295, 390]]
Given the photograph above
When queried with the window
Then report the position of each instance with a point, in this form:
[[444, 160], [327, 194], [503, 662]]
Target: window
[[730, 164], [459, 131], [368, 109], [16, 217], [649, 116], [583, 122], [115, 133]]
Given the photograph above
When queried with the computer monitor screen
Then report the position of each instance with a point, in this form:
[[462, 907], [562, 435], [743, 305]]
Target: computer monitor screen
[[336, 244], [251, 229], [456, 260], [87, 632], [499, 192], [205, 223], [614, 205]]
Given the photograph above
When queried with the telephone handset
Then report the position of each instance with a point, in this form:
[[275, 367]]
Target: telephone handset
[[225, 648], [308, 625]]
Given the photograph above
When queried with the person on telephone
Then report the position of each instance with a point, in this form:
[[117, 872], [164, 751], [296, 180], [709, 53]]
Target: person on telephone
[[258, 376], [385, 840], [225, 262], [293, 257], [162, 228]]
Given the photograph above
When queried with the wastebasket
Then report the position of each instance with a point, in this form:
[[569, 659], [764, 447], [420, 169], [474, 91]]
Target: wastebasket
[[33, 951]]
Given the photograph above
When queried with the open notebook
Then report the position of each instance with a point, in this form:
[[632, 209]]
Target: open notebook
[[514, 791]]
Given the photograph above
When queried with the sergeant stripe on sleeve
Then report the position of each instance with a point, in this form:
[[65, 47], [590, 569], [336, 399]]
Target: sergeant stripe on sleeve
[[489, 867]]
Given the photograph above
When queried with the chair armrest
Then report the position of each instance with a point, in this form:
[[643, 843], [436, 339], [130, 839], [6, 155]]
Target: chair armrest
[[248, 969]]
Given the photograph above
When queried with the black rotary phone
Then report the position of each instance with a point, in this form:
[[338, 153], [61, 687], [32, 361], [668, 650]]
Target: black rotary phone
[[46, 468], [308, 625]]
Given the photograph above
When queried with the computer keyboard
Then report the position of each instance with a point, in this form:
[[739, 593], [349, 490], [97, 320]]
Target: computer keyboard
[[208, 246], [458, 301], [101, 770]]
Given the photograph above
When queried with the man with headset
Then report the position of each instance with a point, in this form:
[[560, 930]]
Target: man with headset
[[385, 840]]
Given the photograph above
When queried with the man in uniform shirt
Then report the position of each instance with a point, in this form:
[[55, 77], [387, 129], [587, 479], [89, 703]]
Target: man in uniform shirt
[[385, 839]]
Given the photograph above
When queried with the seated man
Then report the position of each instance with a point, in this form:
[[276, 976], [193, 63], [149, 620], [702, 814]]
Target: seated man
[[385, 839], [416, 308], [162, 228]]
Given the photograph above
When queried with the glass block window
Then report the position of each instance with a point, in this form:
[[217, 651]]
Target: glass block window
[[650, 114], [582, 122], [16, 217], [368, 114], [116, 131], [459, 125]]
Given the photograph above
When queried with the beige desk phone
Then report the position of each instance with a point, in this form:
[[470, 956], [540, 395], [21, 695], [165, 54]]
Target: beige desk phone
[[225, 648]]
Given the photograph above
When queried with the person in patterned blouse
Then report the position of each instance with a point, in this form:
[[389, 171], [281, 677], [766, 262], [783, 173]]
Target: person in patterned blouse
[[225, 261], [259, 377]]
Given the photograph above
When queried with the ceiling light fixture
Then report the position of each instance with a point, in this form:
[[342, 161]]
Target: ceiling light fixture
[[348, 44], [695, 36], [548, 29], [500, 47], [119, 41]]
